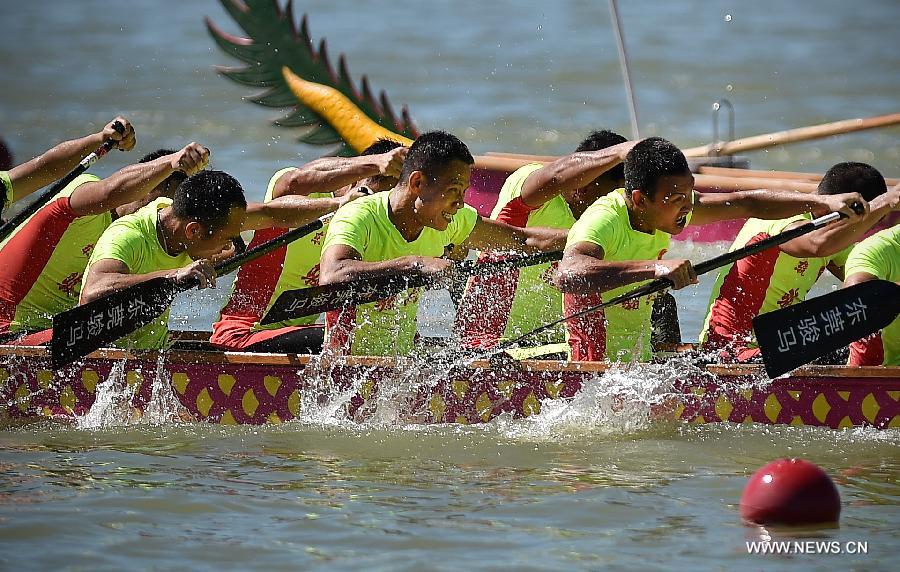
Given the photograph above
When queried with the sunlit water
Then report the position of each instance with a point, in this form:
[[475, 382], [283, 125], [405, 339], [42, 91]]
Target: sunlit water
[[587, 484]]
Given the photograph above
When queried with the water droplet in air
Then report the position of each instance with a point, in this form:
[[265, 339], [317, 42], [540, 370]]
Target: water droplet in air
[[729, 87], [727, 17]]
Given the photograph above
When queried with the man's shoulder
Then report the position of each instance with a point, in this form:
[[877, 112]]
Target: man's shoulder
[[884, 244], [608, 207], [141, 221], [364, 208]]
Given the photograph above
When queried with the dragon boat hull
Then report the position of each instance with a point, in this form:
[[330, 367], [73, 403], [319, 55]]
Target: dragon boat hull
[[242, 388]]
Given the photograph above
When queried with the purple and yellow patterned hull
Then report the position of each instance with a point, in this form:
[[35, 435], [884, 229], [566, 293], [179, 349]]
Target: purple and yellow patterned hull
[[240, 388]]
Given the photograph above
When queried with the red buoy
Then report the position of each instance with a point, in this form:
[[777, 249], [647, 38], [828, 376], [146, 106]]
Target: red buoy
[[790, 491]]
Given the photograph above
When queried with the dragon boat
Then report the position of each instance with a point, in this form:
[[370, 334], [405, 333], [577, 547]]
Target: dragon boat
[[244, 388]]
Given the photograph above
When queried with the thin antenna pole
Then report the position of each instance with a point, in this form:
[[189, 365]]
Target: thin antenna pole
[[623, 61]]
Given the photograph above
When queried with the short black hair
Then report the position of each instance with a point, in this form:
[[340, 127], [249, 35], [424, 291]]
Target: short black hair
[[853, 177], [381, 146], [601, 140], [208, 198], [649, 161], [433, 152], [177, 177]]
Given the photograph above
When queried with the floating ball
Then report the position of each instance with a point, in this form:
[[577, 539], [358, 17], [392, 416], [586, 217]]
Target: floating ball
[[792, 492]]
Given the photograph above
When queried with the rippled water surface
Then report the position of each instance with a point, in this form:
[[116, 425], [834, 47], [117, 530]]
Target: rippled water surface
[[493, 497], [575, 488]]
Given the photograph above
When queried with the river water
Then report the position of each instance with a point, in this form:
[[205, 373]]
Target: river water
[[571, 489]]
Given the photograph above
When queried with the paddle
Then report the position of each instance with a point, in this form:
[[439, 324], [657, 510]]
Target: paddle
[[42, 199], [511, 161], [792, 135], [661, 284], [798, 334], [313, 301], [83, 329]]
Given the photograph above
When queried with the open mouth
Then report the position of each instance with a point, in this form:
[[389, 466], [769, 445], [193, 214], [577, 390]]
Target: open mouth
[[682, 220], [447, 217]]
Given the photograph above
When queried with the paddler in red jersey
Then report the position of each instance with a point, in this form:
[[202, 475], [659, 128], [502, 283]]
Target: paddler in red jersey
[[506, 305], [404, 232], [325, 184], [619, 243], [782, 276]]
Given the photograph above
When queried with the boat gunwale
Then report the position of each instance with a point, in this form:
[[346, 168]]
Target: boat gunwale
[[199, 357]]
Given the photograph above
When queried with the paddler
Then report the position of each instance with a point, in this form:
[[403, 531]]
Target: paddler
[[53, 164], [328, 184], [506, 305], [620, 241], [177, 238], [781, 277], [173, 238], [43, 260], [877, 257], [404, 232]]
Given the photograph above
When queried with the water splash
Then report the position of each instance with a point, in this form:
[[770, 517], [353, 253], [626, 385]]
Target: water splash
[[322, 402], [625, 400], [164, 406], [112, 404]]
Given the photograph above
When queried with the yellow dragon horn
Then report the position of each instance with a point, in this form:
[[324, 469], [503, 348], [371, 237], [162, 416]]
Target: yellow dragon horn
[[354, 126]]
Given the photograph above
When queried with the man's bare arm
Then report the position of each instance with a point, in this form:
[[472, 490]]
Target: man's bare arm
[[771, 205], [571, 172], [341, 263], [584, 271], [490, 234], [55, 163], [329, 174]]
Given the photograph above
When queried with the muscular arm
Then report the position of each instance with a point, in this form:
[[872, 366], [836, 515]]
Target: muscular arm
[[571, 172], [772, 205], [289, 211], [495, 235], [329, 174], [135, 181], [61, 159], [341, 263], [109, 275], [839, 235], [583, 270]]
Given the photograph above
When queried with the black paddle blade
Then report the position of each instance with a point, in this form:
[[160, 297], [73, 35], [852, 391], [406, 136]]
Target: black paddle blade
[[83, 329], [799, 334], [313, 301]]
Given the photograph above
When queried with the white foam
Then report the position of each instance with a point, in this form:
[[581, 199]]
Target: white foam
[[112, 402]]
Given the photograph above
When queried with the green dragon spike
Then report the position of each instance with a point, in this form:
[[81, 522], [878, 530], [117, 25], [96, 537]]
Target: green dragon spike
[[281, 60]]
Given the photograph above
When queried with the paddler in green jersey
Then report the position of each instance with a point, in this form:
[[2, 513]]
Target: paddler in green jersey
[[325, 184], [620, 241], [876, 258], [180, 238], [404, 232], [506, 305]]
